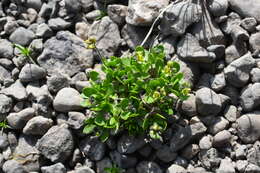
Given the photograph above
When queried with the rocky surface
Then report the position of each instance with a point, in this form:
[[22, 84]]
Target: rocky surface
[[216, 42]]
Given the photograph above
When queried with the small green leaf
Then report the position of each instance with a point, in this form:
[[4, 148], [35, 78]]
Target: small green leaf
[[170, 111], [149, 99], [104, 135], [89, 128], [87, 91], [100, 120], [94, 75]]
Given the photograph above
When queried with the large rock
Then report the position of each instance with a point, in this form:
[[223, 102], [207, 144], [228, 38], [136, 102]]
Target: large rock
[[16, 90], [143, 12], [65, 53], [93, 148], [207, 31], [6, 49], [107, 34], [248, 127], [238, 72], [249, 8], [6, 104], [57, 144], [22, 36], [67, 99], [37, 126], [31, 72], [208, 102], [26, 153], [189, 49], [179, 17], [19, 120], [250, 97]]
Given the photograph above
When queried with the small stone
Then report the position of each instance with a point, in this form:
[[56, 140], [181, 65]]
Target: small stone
[[37, 126], [19, 120], [6, 49], [129, 144], [22, 36], [56, 168], [58, 24], [231, 113], [238, 34], [248, 127], [122, 160], [254, 42], [218, 82], [255, 75], [76, 120], [44, 31], [218, 124], [176, 169], [234, 52], [208, 106], [16, 90], [67, 99], [93, 148], [143, 13], [241, 165], [57, 144], [218, 7], [4, 143], [226, 166], [190, 151], [205, 142], [250, 97], [188, 107], [238, 72], [13, 166], [82, 29], [180, 138], [241, 151], [165, 154], [222, 139], [252, 168], [148, 167], [249, 24], [209, 158], [57, 81], [102, 164], [6, 104], [117, 13], [31, 72]]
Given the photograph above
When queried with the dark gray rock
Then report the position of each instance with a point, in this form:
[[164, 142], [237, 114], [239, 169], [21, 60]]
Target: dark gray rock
[[246, 9], [107, 34], [65, 53], [143, 13], [4, 74], [253, 154], [35, 4], [234, 52], [148, 167], [209, 158], [102, 164], [190, 151], [76, 120], [58, 24], [218, 82], [37, 126], [222, 139], [19, 120], [238, 72], [86, 6], [122, 160], [57, 81], [248, 127], [180, 138], [72, 6], [44, 31], [27, 154], [22, 36], [197, 129], [165, 154], [6, 49], [190, 50], [67, 99], [129, 144], [93, 148], [31, 72], [6, 104], [218, 124], [13, 166], [56, 168], [254, 42], [4, 143], [16, 90], [6, 63], [208, 102], [179, 17], [57, 144], [250, 97], [218, 7], [255, 75], [117, 13], [188, 107], [238, 34], [249, 24]]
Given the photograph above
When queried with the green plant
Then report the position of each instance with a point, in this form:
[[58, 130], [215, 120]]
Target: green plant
[[25, 51], [114, 169], [137, 94], [3, 125], [102, 14]]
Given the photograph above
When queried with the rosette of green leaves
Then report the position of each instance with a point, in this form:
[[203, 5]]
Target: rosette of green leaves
[[136, 94]]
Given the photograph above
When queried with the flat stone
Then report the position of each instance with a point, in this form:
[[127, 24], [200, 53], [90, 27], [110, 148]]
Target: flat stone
[[19, 120], [31, 72], [37, 126], [22, 36]]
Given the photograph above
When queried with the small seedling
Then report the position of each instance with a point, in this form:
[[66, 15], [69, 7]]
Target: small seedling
[[114, 169], [25, 51], [102, 14], [3, 125]]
